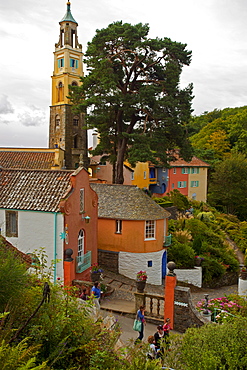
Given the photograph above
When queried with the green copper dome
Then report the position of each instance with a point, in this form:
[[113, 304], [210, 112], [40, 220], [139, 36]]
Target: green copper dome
[[68, 16]]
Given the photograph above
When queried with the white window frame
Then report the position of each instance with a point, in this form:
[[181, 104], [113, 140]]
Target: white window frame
[[132, 175], [150, 230], [81, 243], [174, 170], [144, 175], [118, 227], [194, 183], [182, 184]]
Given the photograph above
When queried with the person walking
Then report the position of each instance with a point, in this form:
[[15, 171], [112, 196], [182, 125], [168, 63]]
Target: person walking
[[167, 328], [84, 295], [158, 336], [141, 317], [96, 292]]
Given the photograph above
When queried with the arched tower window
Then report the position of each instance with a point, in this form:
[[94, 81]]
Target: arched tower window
[[81, 237], [57, 122], [75, 121], [74, 83], [60, 92]]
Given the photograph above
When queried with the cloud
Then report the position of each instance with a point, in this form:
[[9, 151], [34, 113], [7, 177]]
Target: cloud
[[5, 105], [32, 117]]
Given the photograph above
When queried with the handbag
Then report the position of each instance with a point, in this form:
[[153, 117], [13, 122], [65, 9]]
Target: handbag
[[137, 325]]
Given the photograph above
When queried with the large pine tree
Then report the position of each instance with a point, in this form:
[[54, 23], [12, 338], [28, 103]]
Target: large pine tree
[[132, 96]]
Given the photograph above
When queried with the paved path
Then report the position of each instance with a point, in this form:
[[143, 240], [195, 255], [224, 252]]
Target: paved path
[[122, 299]]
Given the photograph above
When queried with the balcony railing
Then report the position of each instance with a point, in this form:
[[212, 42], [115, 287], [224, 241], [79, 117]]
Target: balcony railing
[[83, 262], [167, 241]]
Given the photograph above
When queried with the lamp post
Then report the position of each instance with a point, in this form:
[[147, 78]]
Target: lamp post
[[206, 313]]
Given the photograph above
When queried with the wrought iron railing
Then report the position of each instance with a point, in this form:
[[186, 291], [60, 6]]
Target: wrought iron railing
[[83, 262]]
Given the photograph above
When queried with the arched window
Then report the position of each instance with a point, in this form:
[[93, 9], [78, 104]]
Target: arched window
[[57, 121], [75, 121], [81, 243], [60, 92], [74, 83]]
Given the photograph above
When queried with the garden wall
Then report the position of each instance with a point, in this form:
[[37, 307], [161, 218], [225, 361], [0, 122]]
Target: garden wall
[[190, 276]]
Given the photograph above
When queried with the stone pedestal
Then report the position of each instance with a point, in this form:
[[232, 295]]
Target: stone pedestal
[[242, 287]]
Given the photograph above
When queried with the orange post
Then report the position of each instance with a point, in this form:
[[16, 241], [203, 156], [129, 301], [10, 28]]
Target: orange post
[[68, 272], [170, 284]]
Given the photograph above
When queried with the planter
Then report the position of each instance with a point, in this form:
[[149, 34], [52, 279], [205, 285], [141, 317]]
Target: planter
[[140, 286], [198, 261], [95, 276], [243, 275]]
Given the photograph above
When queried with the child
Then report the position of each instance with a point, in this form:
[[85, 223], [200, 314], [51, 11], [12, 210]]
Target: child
[[152, 352]]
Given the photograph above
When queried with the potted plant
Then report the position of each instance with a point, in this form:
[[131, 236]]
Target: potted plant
[[141, 278], [243, 272], [96, 272]]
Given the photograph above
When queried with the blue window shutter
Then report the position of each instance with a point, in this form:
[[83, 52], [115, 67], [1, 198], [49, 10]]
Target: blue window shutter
[[58, 63], [188, 170], [76, 64], [191, 184], [197, 183], [185, 184], [70, 62]]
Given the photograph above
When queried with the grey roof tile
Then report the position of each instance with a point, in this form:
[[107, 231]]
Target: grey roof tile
[[126, 202]]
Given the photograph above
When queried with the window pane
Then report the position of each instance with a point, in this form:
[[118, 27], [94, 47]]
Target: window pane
[[150, 229]]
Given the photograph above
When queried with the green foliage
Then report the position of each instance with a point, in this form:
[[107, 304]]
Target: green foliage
[[179, 200], [182, 254], [223, 193], [133, 95], [231, 123], [163, 202], [211, 347], [13, 277], [20, 357], [206, 216]]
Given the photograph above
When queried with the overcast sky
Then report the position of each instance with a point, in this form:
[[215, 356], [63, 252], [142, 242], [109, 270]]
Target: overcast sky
[[214, 30]]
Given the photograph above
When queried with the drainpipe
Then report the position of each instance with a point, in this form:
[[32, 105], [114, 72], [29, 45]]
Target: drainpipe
[[55, 248]]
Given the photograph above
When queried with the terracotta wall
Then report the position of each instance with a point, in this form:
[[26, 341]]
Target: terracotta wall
[[75, 223], [132, 237]]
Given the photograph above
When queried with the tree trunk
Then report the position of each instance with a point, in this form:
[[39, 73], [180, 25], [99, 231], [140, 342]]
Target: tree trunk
[[119, 178]]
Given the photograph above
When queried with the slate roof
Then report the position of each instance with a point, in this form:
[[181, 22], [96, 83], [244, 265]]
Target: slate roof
[[195, 162], [126, 202], [36, 190], [27, 159]]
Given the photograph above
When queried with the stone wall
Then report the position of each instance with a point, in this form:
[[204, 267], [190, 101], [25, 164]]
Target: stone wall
[[108, 260], [186, 315], [230, 278]]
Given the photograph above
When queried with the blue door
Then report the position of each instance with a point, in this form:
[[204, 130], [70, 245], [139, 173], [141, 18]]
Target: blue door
[[164, 262]]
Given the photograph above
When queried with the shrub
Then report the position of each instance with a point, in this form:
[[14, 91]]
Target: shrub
[[182, 254]]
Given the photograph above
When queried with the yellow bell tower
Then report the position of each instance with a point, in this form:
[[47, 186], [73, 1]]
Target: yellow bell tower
[[66, 128]]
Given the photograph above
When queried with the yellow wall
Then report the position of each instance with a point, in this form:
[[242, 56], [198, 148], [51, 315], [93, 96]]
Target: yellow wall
[[139, 178], [132, 237], [201, 190]]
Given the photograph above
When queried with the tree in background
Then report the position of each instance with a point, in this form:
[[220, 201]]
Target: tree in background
[[227, 189], [132, 95]]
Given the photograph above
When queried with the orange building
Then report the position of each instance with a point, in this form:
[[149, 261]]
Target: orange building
[[132, 231]]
